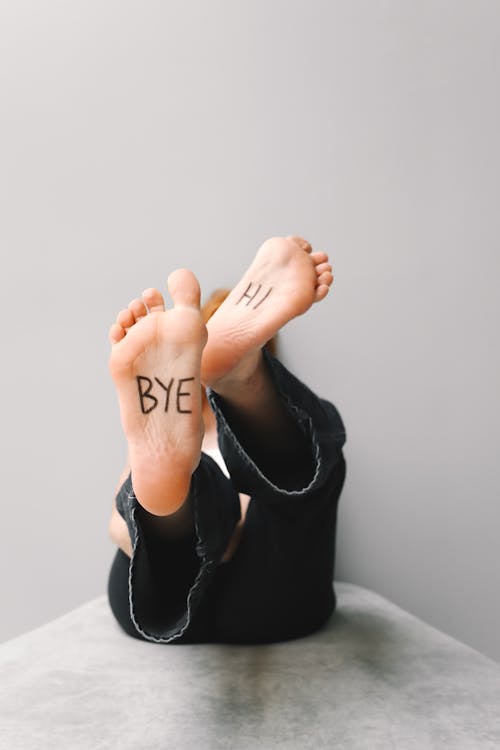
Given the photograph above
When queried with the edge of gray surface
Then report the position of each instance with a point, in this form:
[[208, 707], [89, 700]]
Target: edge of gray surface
[[374, 677]]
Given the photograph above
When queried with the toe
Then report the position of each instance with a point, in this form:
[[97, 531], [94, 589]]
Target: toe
[[304, 244], [153, 300], [325, 278], [321, 292], [322, 267], [125, 319], [184, 288], [318, 258], [116, 333], [138, 309]]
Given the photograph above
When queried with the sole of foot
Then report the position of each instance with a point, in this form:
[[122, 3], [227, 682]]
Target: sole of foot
[[155, 365], [285, 279]]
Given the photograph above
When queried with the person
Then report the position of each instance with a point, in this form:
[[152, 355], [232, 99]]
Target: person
[[225, 515]]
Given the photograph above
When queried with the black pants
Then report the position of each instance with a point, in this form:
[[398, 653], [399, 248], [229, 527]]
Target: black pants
[[279, 583]]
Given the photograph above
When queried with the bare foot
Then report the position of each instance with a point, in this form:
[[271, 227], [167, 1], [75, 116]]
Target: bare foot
[[283, 281], [155, 365]]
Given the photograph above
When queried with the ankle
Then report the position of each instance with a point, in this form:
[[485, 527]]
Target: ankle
[[249, 375], [177, 525]]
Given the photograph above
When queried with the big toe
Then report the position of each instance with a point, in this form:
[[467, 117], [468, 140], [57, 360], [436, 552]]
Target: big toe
[[184, 288]]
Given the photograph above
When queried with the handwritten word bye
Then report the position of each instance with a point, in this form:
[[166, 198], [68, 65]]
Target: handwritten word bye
[[145, 386]]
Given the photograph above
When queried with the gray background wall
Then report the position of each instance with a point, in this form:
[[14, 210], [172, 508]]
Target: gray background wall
[[142, 136]]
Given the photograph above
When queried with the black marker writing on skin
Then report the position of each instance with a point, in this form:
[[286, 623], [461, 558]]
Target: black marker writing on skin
[[250, 296], [145, 393], [182, 393], [167, 388], [264, 297]]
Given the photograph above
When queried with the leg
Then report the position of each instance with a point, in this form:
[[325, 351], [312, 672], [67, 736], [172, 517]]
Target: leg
[[283, 446], [155, 364], [162, 593], [279, 584], [283, 281], [268, 432]]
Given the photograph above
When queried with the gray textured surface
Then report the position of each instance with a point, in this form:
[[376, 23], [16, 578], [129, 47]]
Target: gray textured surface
[[375, 677]]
